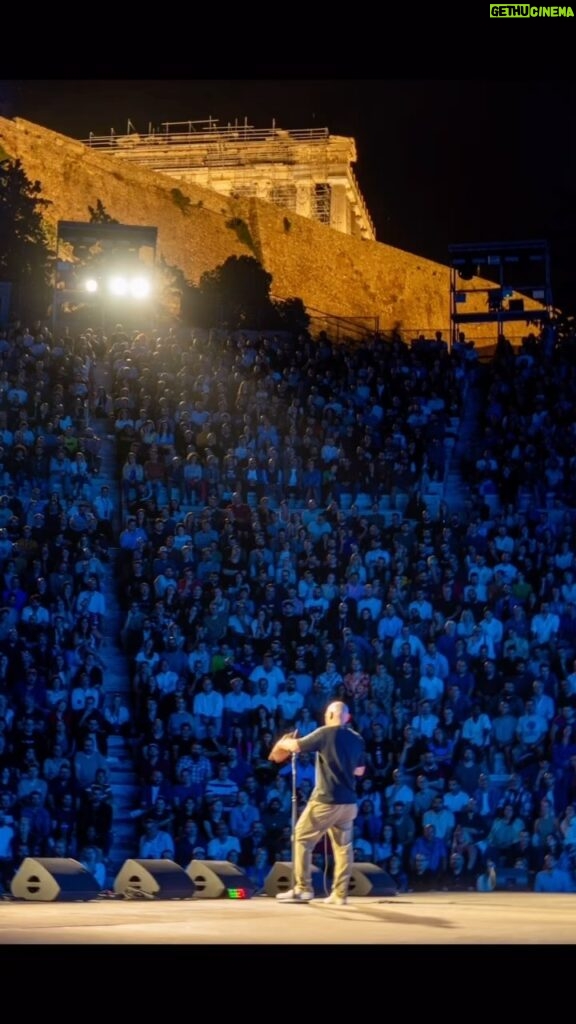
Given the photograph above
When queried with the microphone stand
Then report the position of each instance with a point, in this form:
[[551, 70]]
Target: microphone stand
[[300, 903]]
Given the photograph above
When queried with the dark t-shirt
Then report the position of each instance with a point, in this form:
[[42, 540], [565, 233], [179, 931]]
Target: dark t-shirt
[[340, 750]]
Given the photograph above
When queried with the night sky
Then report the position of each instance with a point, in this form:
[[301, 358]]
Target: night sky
[[439, 161]]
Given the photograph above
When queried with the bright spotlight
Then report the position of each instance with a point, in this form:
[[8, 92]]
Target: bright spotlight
[[139, 287], [118, 285], [91, 285]]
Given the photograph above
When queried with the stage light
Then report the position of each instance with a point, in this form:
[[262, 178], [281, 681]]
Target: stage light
[[117, 285], [122, 286], [91, 285], [139, 288]]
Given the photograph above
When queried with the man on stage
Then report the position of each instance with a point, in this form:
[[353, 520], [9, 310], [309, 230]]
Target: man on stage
[[332, 807]]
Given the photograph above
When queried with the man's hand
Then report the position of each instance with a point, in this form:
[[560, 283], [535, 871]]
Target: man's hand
[[280, 751]]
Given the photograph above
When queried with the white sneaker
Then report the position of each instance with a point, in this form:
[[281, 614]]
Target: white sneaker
[[335, 900], [295, 896]]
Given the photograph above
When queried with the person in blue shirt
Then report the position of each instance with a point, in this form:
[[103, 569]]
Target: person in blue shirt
[[552, 878]]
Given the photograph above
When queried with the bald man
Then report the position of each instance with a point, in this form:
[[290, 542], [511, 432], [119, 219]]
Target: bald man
[[332, 807]]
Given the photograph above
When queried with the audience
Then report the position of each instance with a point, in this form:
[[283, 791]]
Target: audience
[[279, 546]]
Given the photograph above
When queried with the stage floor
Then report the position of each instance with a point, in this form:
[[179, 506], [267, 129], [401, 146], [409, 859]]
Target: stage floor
[[413, 919]]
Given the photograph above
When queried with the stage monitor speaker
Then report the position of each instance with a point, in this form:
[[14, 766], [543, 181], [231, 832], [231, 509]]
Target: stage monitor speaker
[[155, 879], [369, 880], [53, 878], [280, 879], [512, 879], [214, 879]]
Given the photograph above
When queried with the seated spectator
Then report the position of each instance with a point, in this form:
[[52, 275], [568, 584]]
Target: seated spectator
[[477, 732], [155, 843], [504, 832], [545, 824], [441, 817], [90, 857], [435, 854], [551, 878], [399, 791], [394, 867], [207, 708], [87, 761], [459, 876], [222, 787], [531, 732], [223, 844]]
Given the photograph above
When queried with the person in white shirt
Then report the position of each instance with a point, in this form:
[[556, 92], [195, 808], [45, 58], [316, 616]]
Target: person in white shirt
[[477, 730], [455, 799], [544, 704], [421, 605], [492, 627], [237, 704], [82, 690], [91, 601], [432, 656], [376, 551], [544, 625], [268, 670], [480, 646], [531, 729], [503, 541], [485, 576], [155, 843], [431, 686], [441, 817], [166, 678], [399, 791], [89, 858], [417, 649], [425, 721], [289, 702], [390, 624], [199, 659], [371, 600], [316, 604], [207, 708]]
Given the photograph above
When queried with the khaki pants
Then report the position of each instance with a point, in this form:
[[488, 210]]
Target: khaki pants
[[316, 820]]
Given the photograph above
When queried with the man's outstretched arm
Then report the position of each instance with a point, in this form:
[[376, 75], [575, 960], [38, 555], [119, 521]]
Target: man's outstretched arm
[[283, 748]]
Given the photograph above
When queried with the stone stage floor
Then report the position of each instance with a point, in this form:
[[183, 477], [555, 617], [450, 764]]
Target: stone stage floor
[[422, 919]]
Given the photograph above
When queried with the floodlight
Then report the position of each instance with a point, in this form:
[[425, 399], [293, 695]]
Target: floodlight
[[139, 287], [118, 285]]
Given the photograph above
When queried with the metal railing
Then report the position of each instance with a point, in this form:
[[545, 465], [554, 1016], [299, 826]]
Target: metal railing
[[191, 137]]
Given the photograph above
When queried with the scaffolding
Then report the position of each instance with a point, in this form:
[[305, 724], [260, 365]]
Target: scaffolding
[[300, 170], [501, 282]]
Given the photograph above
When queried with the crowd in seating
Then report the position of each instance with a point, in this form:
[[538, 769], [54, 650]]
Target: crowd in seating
[[273, 551]]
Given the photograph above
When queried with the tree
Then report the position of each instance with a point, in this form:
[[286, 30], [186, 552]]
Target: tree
[[99, 214], [236, 294], [25, 256]]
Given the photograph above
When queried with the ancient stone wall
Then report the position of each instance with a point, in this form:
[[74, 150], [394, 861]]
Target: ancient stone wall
[[198, 229]]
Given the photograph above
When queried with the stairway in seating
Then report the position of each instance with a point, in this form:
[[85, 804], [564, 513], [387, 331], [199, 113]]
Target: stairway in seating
[[467, 446], [116, 671]]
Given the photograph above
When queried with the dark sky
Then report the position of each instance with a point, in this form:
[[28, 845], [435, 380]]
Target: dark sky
[[439, 161]]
